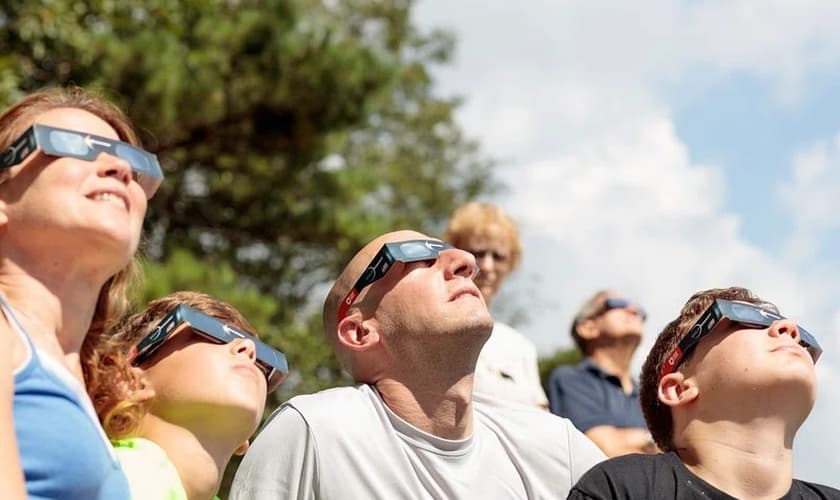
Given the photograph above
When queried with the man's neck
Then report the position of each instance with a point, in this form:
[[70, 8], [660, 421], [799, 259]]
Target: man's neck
[[200, 462], [615, 360], [444, 410], [753, 459]]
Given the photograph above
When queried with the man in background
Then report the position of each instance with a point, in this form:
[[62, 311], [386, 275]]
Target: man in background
[[599, 394]]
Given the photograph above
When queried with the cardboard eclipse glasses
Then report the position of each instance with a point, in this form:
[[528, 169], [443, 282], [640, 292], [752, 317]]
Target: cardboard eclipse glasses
[[742, 313], [271, 361], [55, 141]]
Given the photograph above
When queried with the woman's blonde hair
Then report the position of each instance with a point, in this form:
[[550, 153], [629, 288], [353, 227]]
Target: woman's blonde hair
[[113, 301], [479, 219], [121, 408]]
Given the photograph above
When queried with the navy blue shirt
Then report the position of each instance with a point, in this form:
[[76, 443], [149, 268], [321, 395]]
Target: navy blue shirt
[[589, 396]]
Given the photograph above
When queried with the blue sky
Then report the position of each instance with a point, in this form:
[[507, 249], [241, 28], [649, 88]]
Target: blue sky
[[660, 148], [739, 124]]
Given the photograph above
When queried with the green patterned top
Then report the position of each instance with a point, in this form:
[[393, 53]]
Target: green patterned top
[[151, 475]]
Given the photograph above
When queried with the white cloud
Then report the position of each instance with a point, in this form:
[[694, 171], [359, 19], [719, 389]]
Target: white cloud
[[810, 194], [630, 211], [573, 96]]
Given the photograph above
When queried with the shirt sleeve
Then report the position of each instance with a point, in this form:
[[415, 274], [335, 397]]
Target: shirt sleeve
[[282, 461], [577, 494], [594, 485], [583, 454], [577, 398]]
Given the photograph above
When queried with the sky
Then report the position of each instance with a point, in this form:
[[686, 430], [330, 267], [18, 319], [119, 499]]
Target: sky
[[660, 148]]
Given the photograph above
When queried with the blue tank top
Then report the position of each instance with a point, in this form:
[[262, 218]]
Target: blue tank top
[[63, 450]]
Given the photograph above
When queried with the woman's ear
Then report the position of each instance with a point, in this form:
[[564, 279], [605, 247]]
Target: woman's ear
[[677, 390]]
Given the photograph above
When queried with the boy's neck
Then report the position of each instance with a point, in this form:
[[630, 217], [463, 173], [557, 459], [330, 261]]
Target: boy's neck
[[200, 462], [751, 459]]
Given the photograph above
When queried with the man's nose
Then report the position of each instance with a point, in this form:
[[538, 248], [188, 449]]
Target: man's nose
[[458, 263]]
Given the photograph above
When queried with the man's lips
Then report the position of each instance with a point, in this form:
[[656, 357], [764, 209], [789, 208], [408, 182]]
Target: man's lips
[[469, 291]]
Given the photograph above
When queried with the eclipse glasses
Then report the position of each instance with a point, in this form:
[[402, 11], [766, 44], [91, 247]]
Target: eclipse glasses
[[271, 361], [742, 313], [55, 141], [400, 251]]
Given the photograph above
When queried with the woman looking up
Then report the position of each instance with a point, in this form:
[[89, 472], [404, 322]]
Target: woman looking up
[[73, 191]]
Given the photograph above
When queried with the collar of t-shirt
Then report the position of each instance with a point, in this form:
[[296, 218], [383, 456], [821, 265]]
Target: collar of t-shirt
[[425, 440], [706, 490]]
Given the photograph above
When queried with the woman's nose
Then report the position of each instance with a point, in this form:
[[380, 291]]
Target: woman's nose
[[114, 166], [486, 262]]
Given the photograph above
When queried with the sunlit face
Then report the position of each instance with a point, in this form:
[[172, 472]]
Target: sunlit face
[[194, 378], [493, 253], [86, 205], [620, 322], [431, 298], [734, 359]]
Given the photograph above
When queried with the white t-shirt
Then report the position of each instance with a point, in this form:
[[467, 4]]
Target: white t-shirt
[[345, 443], [507, 368]]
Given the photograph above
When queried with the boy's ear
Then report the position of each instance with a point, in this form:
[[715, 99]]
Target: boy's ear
[[677, 390], [356, 334], [242, 448]]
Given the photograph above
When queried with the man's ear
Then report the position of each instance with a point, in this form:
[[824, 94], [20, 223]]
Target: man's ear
[[587, 330], [242, 448], [356, 334], [675, 389]]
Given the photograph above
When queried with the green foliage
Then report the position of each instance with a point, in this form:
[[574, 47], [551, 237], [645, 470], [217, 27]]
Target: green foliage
[[561, 357], [290, 131]]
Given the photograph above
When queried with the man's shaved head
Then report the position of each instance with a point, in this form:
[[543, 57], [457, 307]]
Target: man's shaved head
[[350, 275], [419, 315]]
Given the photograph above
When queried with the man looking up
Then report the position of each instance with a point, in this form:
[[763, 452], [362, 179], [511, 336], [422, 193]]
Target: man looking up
[[599, 395], [407, 322]]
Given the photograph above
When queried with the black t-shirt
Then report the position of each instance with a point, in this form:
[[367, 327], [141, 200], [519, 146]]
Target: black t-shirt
[[649, 477]]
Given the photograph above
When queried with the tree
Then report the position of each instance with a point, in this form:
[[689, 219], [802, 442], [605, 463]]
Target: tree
[[290, 131]]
